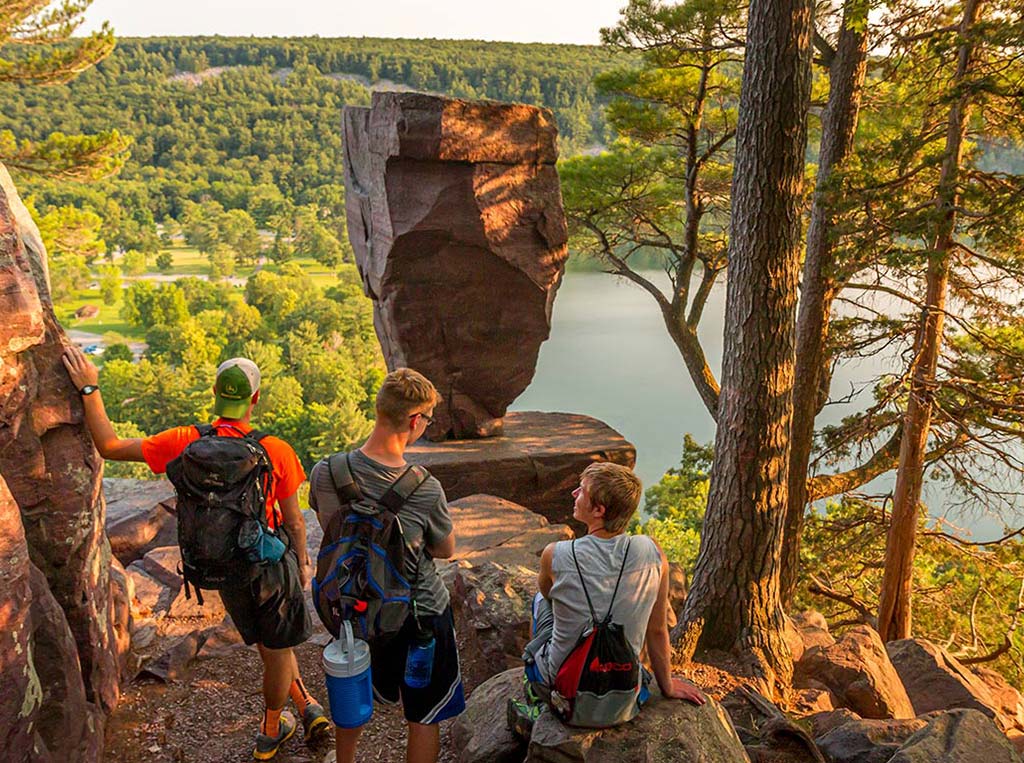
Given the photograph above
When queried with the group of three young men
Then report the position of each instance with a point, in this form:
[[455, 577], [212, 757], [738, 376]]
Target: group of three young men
[[271, 612]]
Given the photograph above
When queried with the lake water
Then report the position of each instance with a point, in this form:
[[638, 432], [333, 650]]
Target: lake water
[[610, 357]]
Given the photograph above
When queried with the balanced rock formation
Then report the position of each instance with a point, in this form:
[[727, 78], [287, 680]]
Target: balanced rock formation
[[536, 462], [53, 472], [455, 215]]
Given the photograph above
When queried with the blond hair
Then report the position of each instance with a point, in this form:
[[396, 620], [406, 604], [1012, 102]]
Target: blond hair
[[402, 393], [617, 489]]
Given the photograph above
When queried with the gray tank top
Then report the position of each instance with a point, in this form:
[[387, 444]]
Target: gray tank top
[[600, 559]]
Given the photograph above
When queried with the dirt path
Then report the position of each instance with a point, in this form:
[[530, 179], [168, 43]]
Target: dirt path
[[212, 718]]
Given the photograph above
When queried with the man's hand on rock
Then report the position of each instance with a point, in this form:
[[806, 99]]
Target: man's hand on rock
[[80, 368], [682, 689]]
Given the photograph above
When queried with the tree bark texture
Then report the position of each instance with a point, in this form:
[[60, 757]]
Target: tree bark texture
[[894, 608], [819, 287], [734, 602]]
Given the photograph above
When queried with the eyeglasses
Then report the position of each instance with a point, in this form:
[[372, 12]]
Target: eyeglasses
[[429, 419]]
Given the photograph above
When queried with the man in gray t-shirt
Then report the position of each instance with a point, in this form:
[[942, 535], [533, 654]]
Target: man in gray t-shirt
[[405, 405]]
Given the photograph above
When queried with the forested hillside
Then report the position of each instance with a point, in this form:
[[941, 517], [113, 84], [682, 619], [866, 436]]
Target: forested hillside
[[251, 123]]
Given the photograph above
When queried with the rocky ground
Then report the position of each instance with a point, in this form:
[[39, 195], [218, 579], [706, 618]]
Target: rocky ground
[[855, 699], [211, 716]]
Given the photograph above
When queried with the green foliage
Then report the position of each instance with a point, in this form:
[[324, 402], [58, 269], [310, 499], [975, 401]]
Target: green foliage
[[164, 262], [315, 347], [37, 48], [676, 504], [146, 305], [118, 351], [222, 262], [110, 285], [133, 263], [966, 596], [261, 135], [69, 231]]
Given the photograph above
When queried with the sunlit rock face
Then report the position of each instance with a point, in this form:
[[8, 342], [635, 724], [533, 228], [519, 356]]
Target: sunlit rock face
[[52, 472], [455, 215]]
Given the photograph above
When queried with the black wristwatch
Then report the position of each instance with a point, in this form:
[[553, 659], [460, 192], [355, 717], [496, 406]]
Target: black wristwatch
[[88, 389]]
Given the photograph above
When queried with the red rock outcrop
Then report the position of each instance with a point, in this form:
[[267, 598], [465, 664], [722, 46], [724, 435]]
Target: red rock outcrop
[[53, 472], [536, 462], [455, 215]]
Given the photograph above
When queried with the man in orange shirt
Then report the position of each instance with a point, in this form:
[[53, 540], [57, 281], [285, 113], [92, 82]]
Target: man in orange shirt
[[271, 611]]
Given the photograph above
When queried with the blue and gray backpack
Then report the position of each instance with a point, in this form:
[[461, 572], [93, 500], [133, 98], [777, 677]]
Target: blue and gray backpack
[[363, 568]]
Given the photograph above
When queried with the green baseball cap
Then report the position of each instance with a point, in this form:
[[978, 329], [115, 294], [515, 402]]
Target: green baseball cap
[[238, 380]]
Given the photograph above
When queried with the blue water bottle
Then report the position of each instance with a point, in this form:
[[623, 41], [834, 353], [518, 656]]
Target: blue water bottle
[[419, 662]]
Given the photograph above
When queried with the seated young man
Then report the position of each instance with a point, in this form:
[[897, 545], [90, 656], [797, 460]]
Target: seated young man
[[271, 611], [606, 499], [405, 405]]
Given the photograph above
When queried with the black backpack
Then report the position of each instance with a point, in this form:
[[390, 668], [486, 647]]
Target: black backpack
[[222, 485], [598, 683], [362, 570]]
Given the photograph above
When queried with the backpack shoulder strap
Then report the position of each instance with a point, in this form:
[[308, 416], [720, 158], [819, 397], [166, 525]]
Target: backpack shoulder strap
[[583, 583], [257, 435], [340, 471], [625, 556], [402, 488], [205, 430]]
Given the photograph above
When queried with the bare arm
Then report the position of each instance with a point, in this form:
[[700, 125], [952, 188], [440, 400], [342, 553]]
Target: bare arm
[[545, 578], [295, 524], [110, 446], [660, 649], [444, 549]]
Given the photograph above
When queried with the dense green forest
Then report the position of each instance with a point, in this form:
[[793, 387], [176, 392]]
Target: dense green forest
[[253, 124]]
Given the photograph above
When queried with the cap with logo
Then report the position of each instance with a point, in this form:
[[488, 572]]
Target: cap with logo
[[238, 380]]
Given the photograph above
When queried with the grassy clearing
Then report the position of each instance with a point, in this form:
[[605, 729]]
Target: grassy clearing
[[108, 320], [188, 261]]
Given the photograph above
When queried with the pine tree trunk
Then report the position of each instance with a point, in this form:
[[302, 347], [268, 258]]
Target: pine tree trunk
[[819, 287], [734, 601], [894, 608]]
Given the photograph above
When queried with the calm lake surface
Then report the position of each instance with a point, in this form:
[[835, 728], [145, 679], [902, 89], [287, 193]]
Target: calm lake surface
[[610, 357]]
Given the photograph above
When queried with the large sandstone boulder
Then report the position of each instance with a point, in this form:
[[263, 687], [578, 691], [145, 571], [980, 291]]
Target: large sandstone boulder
[[455, 215], [52, 469], [935, 680], [159, 589], [536, 462], [140, 516], [491, 604], [957, 736], [1006, 697], [666, 730], [867, 741], [488, 528], [858, 672], [481, 734]]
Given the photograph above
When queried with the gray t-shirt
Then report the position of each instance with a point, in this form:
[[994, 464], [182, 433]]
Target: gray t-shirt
[[425, 518]]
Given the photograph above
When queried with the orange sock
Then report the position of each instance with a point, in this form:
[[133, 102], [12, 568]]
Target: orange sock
[[271, 725], [301, 697]]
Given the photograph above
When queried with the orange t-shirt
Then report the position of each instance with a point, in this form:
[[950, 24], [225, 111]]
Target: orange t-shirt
[[160, 449]]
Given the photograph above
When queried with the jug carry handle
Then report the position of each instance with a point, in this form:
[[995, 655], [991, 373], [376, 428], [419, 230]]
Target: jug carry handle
[[350, 644]]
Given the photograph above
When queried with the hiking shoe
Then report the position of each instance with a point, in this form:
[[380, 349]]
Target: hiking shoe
[[521, 716], [267, 746], [315, 722]]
